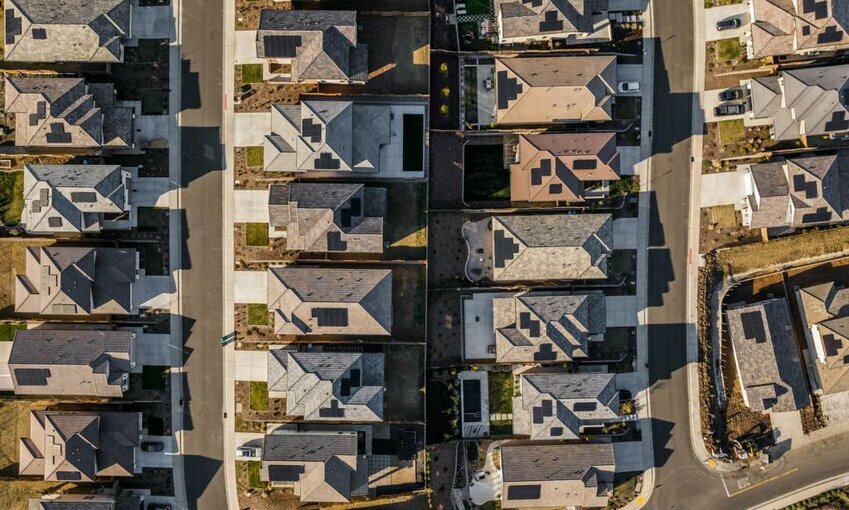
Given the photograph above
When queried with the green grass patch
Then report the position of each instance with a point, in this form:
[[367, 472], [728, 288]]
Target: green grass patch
[[413, 132], [478, 7], [484, 175], [257, 314], [254, 469], [729, 49], [731, 131], [259, 396], [7, 331], [154, 377], [501, 428], [624, 186], [256, 234], [11, 197], [500, 392], [251, 73], [255, 156]]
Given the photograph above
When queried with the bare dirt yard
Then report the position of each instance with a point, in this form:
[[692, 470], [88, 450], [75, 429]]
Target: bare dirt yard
[[248, 11], [13, 261]]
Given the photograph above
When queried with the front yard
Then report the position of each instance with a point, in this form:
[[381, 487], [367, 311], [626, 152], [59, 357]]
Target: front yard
[[11, 197]]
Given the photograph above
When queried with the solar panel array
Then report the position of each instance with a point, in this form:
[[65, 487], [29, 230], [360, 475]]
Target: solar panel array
[[335, 242], [14, 26], [311, 130], [326, 161], [333, 411], [505, 249], [284, 46], [551, 23], [544, 170], [753, 326], [32, 376], [285, 473], [508, 89], [523, 492], [331, 317]]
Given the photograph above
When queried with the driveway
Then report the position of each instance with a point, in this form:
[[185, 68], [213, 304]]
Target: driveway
[[629, 456], [163, 459], [155, 292], [715, 14], [710, 99], [251, 366], [250, 206], [627, 5], [621, 311], [152, 130], [629, 158], [5, 375], [249, 438], [625, 233], [155, 22], [724, 188], [249, 129], [251, 286], [152, 349], [150, 192], [630, 72], [244, 49]]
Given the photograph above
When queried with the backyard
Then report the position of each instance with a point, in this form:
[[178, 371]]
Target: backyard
[[500, 392], [11, 197], [408, 302], [404, 395], [405, 224], [12, 260], [154, 377], [484, 174], [413, 144], [470, 88]]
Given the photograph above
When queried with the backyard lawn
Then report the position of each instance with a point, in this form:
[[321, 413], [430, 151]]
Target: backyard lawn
[[11, 197], [7, 331], [255, 156], [484, 175], [153, 377], [257, 314], [731, 131], [478, 7], [256, 234], [259, 396], [252, 73], [500, 392]]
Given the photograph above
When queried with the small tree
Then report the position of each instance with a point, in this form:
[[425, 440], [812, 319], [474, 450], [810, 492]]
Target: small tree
[[443, 68], [445, 91]]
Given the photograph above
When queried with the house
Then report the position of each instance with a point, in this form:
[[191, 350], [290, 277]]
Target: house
[[76, 198], [576, 21], [796, 192], [327, 217], [556, 475], [766, 356], [825, 314], [72, 362], [321, 467], [369, 136], [328, 386], [330, 301], [537, 327], [784, 27], [539, 247], [66, 31], [554, 90], [311, 46], [553, 404], [798, 103], [78, 281], [73, 446], [563, 167], [66, 113], [100, 500]]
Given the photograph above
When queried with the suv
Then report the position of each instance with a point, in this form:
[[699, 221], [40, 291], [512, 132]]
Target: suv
[[731, 94], [728, 24], [725, 110], [248, 452], [152, 446]]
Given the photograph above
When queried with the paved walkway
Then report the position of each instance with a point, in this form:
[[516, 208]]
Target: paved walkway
[[251, 366], [250, 206], [250, 286]]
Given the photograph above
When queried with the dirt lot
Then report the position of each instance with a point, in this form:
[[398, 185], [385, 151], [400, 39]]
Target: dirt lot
[[442, 466], [258, 257], [13, 261], [248, 11], [446, 170], [444, 328], [251, 420], [723, 61], [447, 249], [251, 337], [730, 139], [409, 295], [268, 94], [721, 226], [398, 55], [258, 499], [253, 177], [404, 396], [405, 222]]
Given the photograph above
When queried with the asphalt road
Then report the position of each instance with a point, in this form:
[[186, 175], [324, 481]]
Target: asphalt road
[[681, 480], [201, 292]]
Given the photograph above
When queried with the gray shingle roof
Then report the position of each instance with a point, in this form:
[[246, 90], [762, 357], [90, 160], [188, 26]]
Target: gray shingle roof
[[308, 447], [767, 356], [537, 463], [66, 347]]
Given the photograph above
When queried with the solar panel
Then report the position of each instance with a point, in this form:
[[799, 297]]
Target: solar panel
[[335, 242], [544, 170], [830, 35], [13, 26], [311, 130], [331, 317], [547, 408], [39, 34], [68, 475], [838, 122], [832, 344], [326, 161], [285, 46], [556, 431], [534, 3], [555, 189], [798, 182], [33, 119], [533, 329], [81, 197], [54, 222], [524, 320], [537, 412], [551, 23], [806, 30], [811, 190], [585, 164], [822, 214], [523, 492], [507, 89], [584, 406], [753, 326], [41, 109], [57, 134], [505, 248], [285, 473], [545, 353], [32, 376], [333, 411]]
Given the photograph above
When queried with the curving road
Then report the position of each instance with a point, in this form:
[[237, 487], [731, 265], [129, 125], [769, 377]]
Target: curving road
[[681, 480]]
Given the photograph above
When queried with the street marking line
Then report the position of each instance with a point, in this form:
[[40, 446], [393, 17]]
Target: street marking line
[[762, 482], [722, 477]]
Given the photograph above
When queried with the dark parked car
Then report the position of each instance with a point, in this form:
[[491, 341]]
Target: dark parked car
[[731, 94], [724, 110], [728, 24], [152, 446], [158, 506]]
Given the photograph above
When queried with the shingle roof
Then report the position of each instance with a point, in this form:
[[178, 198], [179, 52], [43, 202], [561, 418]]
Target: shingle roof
[[537, 463], [524, 19], [308, 447], [66, 347]]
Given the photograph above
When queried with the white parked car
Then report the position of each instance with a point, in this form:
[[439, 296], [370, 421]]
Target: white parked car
[[629, 86], [248, 452]]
